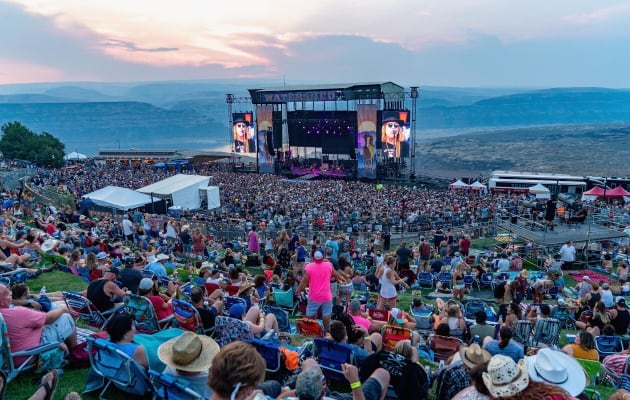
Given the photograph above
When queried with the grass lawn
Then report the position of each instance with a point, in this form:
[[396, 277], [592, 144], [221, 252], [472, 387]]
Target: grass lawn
[[75, 379]]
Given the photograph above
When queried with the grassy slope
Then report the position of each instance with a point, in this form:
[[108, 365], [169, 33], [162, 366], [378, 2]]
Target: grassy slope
[[75, 379]]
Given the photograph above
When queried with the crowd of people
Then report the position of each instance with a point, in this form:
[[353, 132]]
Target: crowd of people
[[113, 258]]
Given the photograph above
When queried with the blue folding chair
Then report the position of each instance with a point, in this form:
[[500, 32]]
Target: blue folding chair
[[282, 316], [229, 301], [486, 280], [169, 386], [425, 279], [117, 368], [446, 278], [472, 308], [331, 356], [607, 345]]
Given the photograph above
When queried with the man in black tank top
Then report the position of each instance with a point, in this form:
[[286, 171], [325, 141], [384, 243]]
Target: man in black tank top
[[104, 292], [620, 316]]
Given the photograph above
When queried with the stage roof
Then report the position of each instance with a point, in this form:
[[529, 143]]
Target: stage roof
[[326, 92]]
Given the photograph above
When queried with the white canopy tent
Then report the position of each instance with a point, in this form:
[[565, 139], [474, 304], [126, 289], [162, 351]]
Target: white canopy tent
[[476, 185], [182, 190], [119, 198], [540, 191], [458, 184], [75, 156]]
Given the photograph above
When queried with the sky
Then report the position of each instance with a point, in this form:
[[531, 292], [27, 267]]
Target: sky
[[472, 43]]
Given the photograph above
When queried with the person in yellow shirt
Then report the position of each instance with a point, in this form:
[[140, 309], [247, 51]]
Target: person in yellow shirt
[[583, 347]]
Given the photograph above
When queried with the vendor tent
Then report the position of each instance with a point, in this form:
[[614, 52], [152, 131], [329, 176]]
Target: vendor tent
[[476, 185], [540, 191], [74, 156], [617, 192], [119, 198], [594, 191], [179, 190], [458, 184]]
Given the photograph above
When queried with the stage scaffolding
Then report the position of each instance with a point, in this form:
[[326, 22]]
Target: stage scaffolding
[[288, 103]]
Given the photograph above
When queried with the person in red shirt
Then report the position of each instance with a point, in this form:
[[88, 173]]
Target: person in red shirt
[[464, 245], [148, 289]]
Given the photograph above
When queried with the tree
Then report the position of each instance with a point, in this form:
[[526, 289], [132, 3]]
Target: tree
[[19, 142]]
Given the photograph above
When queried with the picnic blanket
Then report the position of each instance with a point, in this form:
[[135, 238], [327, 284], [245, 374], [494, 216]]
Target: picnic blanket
[[151, 342], [593, 275]]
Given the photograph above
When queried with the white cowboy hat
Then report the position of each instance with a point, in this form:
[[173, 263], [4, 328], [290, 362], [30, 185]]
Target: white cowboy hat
[[505, 378], [161, 257], [49, 245], [189, 352], [556, 368]]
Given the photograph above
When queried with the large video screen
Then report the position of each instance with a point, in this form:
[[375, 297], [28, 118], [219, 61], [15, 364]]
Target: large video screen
[[333, 131], [395, 133], [244, 132]]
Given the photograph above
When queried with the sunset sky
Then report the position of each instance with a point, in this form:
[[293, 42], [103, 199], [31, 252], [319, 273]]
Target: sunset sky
[[499, 43]]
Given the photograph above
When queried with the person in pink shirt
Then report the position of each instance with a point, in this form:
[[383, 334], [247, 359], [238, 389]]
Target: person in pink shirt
[[317, 279], [354, 310]]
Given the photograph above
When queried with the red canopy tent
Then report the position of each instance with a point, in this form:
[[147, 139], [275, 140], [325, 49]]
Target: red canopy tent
[[617, 192], [595, 191]]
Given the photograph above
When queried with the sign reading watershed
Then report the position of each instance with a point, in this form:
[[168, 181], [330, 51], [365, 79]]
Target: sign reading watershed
[[284, 97]]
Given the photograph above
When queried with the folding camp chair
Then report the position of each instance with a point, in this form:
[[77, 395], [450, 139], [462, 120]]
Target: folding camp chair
[[443, 346], [486, 280], [270, 352], [425, 279], [446, 279], [522, 332], [229, 301], [469, 281], [83, 308], [116, 367], [331, 356], [393, 334], [232, 290], [564, 315], [227, 330], [546, 333], [285, 299], [310, 327], [211, 287], [607, 345], [424, 320], [284, 324], [378, 315], [14, 363], [472, 308], [141, 310], [169, 386], [188, 318]]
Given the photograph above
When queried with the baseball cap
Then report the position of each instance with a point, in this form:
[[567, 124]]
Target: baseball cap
[[237, 311], [102, 255], [146, 284], [397, 314], [620, 300], [586, 278], [318, 255], [113, 270]]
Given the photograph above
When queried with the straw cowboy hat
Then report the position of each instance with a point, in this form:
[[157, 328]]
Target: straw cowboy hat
[[473, 355], [189, 352], [244, 287], [505, 378], [524, 273], [556, 368]]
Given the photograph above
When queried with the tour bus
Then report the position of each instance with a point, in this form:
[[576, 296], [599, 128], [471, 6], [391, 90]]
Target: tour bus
[[510, 181]]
